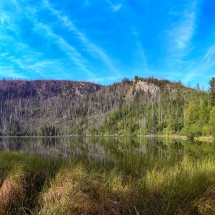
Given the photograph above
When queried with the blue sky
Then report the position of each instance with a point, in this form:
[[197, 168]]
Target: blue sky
[[106, 40]]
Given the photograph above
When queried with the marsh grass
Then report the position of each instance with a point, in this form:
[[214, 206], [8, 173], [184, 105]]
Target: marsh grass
[[34, 185], [22, 177], [12, 191]]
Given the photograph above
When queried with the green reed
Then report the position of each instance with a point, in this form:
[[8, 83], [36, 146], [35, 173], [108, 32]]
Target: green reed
[[120, 176]]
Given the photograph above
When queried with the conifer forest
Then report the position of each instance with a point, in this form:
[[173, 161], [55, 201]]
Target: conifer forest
[[142, 106]]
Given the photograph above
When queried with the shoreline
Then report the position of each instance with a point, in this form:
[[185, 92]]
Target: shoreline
[[201, 138]]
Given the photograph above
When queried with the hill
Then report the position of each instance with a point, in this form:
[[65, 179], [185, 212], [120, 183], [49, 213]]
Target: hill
[[138, 107]]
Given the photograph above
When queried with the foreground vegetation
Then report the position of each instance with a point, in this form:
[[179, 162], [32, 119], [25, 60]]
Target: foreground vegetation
[[34, 185]]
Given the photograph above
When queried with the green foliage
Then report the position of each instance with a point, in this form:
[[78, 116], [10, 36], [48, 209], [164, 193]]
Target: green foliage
[[192, 127], [192, 114], [13, 128], [124, 176], [212, 90], [80, 108], [212, 121], [204, 111], [48, 131]]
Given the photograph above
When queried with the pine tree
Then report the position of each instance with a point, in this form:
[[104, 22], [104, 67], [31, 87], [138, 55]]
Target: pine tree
[[212, 90]]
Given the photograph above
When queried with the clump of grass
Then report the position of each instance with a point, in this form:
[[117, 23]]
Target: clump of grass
[[13, 191], [174, 190], [66, 193], [206, 203], [47, 186], [74, 191], [22, 177]]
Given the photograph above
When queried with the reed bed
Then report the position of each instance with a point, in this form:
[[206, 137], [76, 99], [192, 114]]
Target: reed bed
[[34, 185]]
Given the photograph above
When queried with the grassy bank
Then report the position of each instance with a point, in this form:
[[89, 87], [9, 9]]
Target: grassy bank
[[34, 185], [205, 138]]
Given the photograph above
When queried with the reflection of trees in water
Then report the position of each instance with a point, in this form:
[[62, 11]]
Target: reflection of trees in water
[[124, 152], [12, 144]]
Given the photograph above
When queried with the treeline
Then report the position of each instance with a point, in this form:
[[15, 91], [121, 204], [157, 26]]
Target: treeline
[[139, 107], [55, 107]]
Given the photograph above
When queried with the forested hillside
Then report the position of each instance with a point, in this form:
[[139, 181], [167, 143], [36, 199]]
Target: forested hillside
[[138, 107]]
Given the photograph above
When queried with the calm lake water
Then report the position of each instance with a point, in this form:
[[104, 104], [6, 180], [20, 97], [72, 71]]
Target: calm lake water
[[128, 153]]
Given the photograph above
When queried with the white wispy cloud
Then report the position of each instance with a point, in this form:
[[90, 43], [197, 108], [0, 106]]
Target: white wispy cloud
[[209, 55], [114, 7], [183, 30], [91, 47], [69, 50], [52, 68], [35, 63], [140, 52], [8, 72], [180, 41], [8, 23], [22, 57], [206, 62], [141, 57], [196, 75], [201, 68], [4, 18], [13, 58]]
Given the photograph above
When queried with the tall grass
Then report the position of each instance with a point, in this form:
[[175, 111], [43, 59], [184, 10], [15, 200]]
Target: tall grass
[[33, 185]]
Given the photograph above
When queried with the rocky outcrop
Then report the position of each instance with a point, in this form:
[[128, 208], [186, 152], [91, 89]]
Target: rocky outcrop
[[146, 87], [141, 85]]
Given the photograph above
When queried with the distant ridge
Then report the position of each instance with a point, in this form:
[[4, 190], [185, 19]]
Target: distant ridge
[[44, 88]]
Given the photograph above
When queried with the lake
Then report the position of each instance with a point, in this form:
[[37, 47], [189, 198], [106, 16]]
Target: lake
[[126, 153]]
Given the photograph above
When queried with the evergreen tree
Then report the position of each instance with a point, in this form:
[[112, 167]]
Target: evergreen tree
[[212, 90], [212, 121], [192, 126]]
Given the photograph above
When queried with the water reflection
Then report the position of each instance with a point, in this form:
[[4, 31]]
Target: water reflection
[[127, 152]]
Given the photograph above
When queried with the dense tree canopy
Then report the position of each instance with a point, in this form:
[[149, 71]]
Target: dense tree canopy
[[139, 107]]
